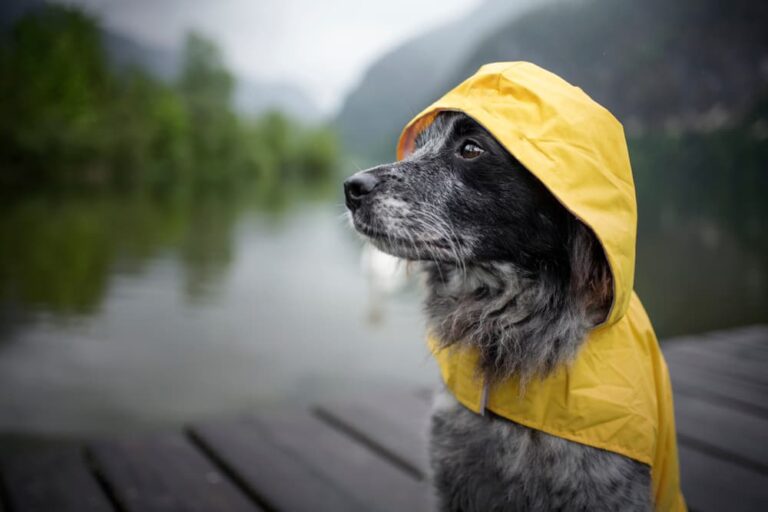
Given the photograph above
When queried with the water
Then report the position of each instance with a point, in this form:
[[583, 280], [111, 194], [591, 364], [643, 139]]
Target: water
[[276, 308], [129, 313]]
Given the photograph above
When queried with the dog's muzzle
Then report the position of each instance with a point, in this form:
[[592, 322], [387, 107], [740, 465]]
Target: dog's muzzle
[[357, 187]]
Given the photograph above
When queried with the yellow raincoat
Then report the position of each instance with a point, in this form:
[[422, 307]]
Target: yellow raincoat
[[616, 395]]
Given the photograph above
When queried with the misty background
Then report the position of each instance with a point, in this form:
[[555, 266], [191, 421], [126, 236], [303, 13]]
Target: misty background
[[172, 243]]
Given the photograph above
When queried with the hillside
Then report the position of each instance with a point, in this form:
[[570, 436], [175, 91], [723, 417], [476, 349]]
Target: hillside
[[255, 97], [679, 66], [689, 81], [404, 80], [689, 65]]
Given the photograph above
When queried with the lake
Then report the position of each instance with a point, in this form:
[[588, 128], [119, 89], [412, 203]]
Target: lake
[[134, 313]]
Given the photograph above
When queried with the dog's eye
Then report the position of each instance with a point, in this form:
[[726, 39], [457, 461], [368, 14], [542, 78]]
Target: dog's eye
[[470, 150]]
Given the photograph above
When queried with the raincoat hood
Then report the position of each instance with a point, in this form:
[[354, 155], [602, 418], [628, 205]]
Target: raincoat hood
[[616, 395], [574, 146]]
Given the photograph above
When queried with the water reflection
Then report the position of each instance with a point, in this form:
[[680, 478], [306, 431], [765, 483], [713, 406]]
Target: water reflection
[[126, 311], [386, 275], [231, 307], [59, 253], [696, 277]]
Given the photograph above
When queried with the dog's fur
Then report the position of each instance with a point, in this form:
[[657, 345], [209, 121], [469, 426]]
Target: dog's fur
[[513, 273]]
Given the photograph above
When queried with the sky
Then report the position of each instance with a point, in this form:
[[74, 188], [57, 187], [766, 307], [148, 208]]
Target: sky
[[322, 46]]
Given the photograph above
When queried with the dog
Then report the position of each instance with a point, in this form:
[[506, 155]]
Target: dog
[[514, 274]]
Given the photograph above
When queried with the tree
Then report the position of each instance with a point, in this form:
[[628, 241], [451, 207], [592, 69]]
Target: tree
[[54, 83], [206, 87]]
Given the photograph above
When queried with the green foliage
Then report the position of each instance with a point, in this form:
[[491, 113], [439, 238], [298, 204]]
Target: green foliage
[[57, 253], [54, 84], [151, 146], [118, 167], [205, 82], [68, 120], [206, 90]]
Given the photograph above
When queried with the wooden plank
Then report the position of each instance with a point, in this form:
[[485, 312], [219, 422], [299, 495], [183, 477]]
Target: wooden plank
[[740, 347], [162, 473], [740, 434], [689, 355], [718, 388], [275, 476], [55, 479], [394, 424], [370, 478], [746, 344], [711, 484], [754, 336], [409, 411]]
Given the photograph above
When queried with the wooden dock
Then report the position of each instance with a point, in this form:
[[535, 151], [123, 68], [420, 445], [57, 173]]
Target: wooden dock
[[371, 455]]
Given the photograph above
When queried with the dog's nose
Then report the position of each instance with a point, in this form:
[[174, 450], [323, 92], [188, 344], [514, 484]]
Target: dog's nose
[[357, 187]]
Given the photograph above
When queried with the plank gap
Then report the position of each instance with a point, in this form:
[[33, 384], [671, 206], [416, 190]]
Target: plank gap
[[349, 430], [725, 401], [102, 481], [227, 471], [749, 372], [52, 478], [5, 503], [720, 453], [165, 472], [271, 471], [350, 465]]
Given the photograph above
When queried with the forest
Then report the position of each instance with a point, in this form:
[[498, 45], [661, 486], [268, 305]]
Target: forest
[[69, 120]]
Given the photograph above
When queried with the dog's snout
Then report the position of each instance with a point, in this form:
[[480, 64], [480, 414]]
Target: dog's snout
[[357, 187]]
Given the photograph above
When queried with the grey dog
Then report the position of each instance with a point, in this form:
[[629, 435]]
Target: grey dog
[[481, 225]]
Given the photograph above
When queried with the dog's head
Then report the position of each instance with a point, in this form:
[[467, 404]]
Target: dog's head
[[461, 198]]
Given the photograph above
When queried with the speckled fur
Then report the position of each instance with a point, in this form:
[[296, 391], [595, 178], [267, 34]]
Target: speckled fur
[[489, 464], [513, 273]]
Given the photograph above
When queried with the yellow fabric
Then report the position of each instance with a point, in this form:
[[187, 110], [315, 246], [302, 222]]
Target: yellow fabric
[[616, 395]]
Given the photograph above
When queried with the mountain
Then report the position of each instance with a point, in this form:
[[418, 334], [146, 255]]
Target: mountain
[[11, 10], [251, 97], [257, 97], [687, 65], [404, 80], [124, 52]]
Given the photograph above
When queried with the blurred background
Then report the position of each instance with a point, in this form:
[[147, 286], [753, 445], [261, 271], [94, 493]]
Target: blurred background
[[172, 240]]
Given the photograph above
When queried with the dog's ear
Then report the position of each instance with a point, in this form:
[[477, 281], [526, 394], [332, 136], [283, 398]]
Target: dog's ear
[[591, 278]]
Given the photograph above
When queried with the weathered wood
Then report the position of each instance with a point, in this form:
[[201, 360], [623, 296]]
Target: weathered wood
[[753, 338], [686, 354], [718, 388], [51, 480], [711, 484], [370, 454], [164, 473], [746, 344], [271, 474], [372, 480], [394, 424], [738, 433]]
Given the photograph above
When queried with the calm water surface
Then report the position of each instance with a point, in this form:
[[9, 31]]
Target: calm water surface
[[118, 315], [286, 315]]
